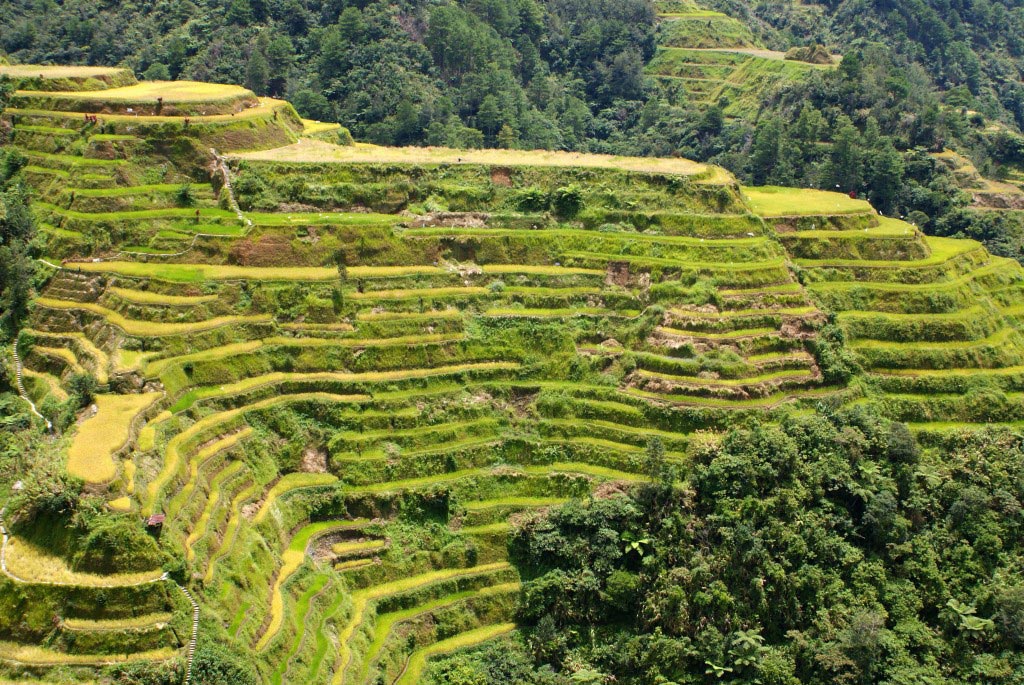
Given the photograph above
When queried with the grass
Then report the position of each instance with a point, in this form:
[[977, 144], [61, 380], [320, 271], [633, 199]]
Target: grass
[[499, 528], [530, 313], [315, 151], [63, 354], [358, 547], [310, 127], [641, 433], [79, 340], [49, 130], [144, 622], [147, 297], [794, 374], [541, 470], [281, 377], [538, 270], [942, 250], [996, 339], [121, 504], [288, 483], [32, 563], [198, 273], [128, 191], [49, 71], [386, 623], [361, 600], [301, 616], [90, 456], [52, 383], [517, 502], [231, 530], [414, 293], [73, 161], [739, 333], [154, 368], [948, 285], [723, 403], [142, 214], [201, 457], [150, 328], [202, 525], [291, 560], [173, 455], [39, 656], [418, 661], [775, 201], [265, 109]]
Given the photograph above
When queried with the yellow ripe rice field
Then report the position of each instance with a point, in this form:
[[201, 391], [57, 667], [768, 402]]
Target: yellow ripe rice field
[[31, 563], [772, 201], [147, 91], [90, 456], [316, 151], [49, 71]]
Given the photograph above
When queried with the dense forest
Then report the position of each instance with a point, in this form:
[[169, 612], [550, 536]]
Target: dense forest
[[830, 549], [17, 230]]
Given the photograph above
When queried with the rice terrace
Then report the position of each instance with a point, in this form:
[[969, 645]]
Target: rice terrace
[[338, 395]]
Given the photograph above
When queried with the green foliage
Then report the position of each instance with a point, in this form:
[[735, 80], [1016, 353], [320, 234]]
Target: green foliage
[[184, 196], [778, 525], [115, 543], [567, 201], [17, 231], [82, 387], [216, 664], [48, 492], [836, 361]]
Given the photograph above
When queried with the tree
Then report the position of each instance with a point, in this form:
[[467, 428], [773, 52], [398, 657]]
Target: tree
[[765, 157], [488, 117], [82, 387], [257, 72], [885, 177], [351, 25], [240, 13], [507, 137], [157, 71]]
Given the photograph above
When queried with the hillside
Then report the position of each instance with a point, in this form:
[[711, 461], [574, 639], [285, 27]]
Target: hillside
[[702, 79], [421, 414]]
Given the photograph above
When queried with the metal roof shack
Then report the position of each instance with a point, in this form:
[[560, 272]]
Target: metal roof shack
[[155, 521]]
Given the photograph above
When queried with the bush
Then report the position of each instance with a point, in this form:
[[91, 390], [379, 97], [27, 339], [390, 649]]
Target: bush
[[184, 197], [531, 200], [216, 665], [567, 201], [116, 544], [82, 388]]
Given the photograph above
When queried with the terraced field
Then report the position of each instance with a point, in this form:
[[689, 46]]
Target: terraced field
[[709, 58], [342, 403]]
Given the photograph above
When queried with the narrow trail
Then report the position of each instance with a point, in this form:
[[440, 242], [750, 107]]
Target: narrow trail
[[191, 651], [24, 395]]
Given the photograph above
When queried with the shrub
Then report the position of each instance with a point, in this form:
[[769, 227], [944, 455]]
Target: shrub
[[82, 387], [216, 665], [567, 201], [116, 544], [184, 197], [531, 199]]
